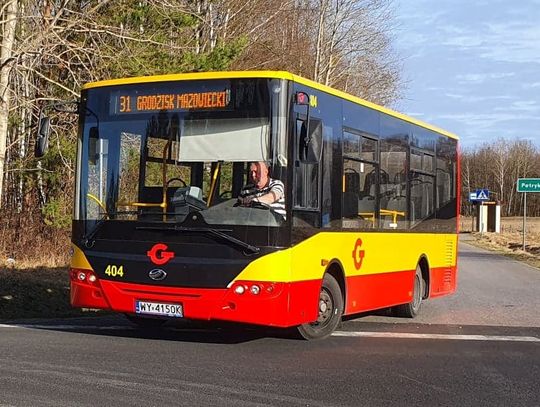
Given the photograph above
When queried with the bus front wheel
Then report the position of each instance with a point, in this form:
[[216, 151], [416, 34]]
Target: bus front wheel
[[411, 309], [330, 307]]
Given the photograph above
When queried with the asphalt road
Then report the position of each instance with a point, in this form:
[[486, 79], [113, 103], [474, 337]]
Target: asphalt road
[[479, 347]]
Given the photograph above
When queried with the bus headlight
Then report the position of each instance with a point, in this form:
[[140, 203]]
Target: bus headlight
[[255, 289], [239, 289]]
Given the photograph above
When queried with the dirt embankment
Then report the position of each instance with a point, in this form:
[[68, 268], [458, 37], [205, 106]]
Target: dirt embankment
[[510, 241]]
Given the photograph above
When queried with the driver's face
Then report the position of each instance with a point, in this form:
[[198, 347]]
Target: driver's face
[[259, 174]]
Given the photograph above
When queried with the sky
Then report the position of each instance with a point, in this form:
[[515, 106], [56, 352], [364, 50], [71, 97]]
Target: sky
[[471, 67]]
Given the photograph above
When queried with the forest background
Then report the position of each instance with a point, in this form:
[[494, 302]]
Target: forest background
[[50, 48]]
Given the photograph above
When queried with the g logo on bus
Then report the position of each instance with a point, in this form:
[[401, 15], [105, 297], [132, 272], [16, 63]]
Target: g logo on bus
[[357, 254], [157, 274], [158, 255]]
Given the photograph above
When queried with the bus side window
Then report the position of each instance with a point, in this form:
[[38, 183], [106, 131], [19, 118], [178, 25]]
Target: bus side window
[[359, 208], [393, 186]]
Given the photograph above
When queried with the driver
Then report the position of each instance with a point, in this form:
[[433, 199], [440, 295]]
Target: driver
[[263, 189]]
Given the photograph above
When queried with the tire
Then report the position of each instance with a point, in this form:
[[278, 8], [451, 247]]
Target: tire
[[330, 311], [146, 322], [411, 309]]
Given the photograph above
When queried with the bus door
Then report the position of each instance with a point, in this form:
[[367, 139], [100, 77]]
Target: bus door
[[306, 191]]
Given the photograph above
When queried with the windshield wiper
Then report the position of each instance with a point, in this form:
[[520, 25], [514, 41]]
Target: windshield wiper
[[215, 232], [88, 238]]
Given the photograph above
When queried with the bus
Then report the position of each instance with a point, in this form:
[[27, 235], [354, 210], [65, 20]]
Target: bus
[[371, 203]]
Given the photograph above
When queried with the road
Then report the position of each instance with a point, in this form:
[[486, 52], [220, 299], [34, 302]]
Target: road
[[478, 347]]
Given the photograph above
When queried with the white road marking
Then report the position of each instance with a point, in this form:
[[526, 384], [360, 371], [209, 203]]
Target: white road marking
[[68, 327], [404, 335], [351, 334]]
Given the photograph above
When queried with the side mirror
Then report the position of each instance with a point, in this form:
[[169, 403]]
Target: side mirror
[[310, 142], [42, 141]]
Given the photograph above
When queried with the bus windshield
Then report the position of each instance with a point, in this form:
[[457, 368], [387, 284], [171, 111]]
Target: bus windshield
[[168, 152]]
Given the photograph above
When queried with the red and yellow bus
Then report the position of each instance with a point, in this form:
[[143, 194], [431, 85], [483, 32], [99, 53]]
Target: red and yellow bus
[[371, 200]]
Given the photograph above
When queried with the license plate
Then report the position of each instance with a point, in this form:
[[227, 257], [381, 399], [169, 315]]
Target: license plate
[[158, 308]]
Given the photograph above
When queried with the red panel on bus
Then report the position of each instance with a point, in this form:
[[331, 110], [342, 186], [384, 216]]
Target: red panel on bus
[[443, 281], [373, 291]]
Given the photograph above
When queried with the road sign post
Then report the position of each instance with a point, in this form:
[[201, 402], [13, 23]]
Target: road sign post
[[527, 185], [524, 217]]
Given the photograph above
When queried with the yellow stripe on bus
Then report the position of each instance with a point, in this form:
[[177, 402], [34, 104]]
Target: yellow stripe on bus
[[78, 259], [374, 253]]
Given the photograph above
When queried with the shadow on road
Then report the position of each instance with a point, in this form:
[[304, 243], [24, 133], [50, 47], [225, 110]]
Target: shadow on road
[[214, 333]]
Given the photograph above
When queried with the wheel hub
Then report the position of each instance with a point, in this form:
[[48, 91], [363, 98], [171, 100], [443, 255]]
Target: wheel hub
[[326, 305]]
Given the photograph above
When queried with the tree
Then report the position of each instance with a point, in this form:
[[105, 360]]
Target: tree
[[8, 16]]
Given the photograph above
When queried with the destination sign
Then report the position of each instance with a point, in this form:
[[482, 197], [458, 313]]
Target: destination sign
[[125, 103]]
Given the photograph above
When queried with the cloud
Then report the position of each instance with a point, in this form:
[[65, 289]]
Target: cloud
[[529, 106], [511, 41], [478, 78], [475, 66], [476, 98], [483, 121], [514, 41]]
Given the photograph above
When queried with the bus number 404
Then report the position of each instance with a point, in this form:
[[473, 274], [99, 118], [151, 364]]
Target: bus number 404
[[114, 271]]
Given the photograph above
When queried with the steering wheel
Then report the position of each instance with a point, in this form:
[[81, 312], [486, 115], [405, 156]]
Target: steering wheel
[[176, 179], [225, 195], [99, 202], [259, 205]]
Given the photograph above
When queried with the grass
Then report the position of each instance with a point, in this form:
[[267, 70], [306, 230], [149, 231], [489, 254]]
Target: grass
[[510, 241], [510, 245]]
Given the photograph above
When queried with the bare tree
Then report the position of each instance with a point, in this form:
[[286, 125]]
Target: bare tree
[[8, 16]]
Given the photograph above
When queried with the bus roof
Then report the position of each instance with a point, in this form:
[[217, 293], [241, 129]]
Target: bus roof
[[266, 74]]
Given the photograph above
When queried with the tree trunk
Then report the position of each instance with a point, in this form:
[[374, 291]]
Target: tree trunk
[[8, 38]]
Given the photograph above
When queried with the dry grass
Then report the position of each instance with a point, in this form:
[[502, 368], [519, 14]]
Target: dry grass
[[35, 293], [27, 243], [510, 241], [34, 280], [508, 225]]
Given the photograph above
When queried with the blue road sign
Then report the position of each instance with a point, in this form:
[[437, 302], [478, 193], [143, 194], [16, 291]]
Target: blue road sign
[[479, 195], [482, 195]]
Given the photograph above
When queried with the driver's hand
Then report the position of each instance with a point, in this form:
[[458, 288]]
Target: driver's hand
[[245, 201]]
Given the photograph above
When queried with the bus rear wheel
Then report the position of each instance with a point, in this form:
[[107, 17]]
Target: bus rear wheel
[[411, 309], [330, 311]]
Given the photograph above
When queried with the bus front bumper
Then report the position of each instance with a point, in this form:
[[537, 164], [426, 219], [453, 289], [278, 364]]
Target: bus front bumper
[[255, 302]]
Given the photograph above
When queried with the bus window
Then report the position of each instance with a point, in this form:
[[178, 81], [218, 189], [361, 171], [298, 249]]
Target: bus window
[[444, 181], [359, 189], [130, 159], [393, 186], [422, 204], [306, 193], [98, 165]]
